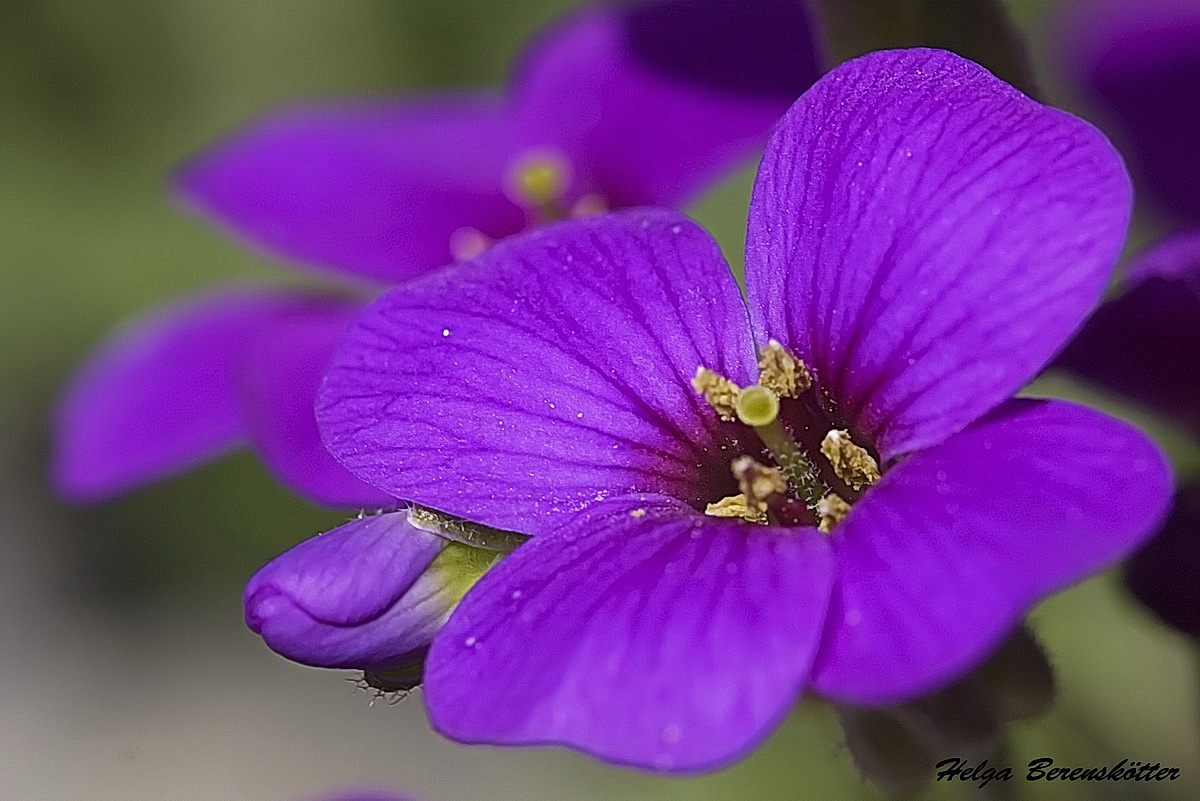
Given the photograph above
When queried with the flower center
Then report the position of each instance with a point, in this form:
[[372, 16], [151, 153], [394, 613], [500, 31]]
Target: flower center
[[540, 182], [800, 488]]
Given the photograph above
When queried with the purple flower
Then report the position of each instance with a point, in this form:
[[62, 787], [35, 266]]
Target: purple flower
[[924, 238], [614, 106]]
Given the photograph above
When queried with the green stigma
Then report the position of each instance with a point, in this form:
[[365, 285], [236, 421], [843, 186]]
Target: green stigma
[[757, 406], [538, 180]]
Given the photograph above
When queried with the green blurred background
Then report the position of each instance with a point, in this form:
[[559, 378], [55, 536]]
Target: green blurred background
[[125, 670]]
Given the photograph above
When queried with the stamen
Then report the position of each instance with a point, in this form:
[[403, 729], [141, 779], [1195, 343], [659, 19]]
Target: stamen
[[538, 180], [851, 463], [832, 509], [589, 205], [466, 243], [757, 482], [736, 506], [781, 372], [720, 392]]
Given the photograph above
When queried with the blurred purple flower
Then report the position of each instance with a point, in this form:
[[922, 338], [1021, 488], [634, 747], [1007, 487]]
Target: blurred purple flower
[[614, 106], [925, 238], [1145, 343], [1138, 63]]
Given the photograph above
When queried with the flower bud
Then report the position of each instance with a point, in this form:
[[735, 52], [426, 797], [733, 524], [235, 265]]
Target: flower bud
[[369, 595]]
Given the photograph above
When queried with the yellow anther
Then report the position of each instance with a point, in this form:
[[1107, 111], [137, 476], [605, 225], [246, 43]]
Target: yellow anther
[[757, 406], [538, 179], [851, 463], [832, 509], [736, 506], [720, 392], [781, 372], [466, 243], [757, 482]]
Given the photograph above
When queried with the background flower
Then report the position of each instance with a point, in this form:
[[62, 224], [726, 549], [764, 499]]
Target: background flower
[[611, 107]]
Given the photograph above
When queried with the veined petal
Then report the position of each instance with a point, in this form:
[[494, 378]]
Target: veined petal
[[162, 394], [925, 238], [1163, 574], [550, 372], [1138, 61], [375, 188], [281, 374], [946, 554], [641, 632], [365, 595], [1145, 344], [653, 101]]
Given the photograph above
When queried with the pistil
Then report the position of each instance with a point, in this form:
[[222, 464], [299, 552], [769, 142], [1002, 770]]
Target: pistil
[[758, 407], [538, 181]]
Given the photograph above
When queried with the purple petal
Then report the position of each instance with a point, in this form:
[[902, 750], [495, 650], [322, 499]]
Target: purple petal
[[550, 372], [942, 558], [925, 237], [1145, 344], [281, 376], [1163, 574], [161, 395], [654, 101], [1139, 62], [641, 632], [360, 596], [377, 189]]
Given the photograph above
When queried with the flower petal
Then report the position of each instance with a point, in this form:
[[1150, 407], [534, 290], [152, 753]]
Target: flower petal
[[1139, 62], [641, 632], [653, 101], [161, 395], [1163, 574], [376, 188], [944, 556], [550, 372], [1145, 344], [281, 375], [365, 595], [925, 237]]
